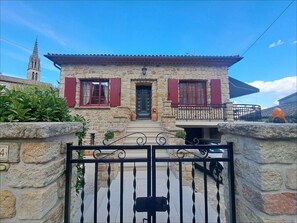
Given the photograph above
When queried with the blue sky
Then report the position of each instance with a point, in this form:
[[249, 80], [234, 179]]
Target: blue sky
[[211, 28]]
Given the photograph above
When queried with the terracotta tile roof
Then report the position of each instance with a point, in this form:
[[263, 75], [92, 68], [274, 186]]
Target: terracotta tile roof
[[142, 60]]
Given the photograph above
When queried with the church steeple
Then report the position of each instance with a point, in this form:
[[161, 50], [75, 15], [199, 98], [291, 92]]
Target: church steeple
[[33, 72]]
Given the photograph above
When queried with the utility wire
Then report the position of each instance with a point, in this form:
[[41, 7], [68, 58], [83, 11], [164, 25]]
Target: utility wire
[[268, 27]]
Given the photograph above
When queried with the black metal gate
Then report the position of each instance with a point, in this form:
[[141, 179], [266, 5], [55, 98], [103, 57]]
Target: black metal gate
[[162, 199]]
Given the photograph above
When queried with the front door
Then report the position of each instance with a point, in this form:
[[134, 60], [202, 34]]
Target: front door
[[143, 102]]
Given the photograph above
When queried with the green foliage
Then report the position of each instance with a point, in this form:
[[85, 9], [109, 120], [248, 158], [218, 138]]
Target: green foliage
[[109, 135], [32, 104], [181, 134], [41, 104]]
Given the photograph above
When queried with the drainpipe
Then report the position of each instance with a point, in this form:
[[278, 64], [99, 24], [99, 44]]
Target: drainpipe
[[57, 66]]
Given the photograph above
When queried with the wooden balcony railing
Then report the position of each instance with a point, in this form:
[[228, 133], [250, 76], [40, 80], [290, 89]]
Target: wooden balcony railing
[[241, 112]]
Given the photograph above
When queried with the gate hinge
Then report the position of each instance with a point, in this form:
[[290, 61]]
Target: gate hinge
[[151, 204]]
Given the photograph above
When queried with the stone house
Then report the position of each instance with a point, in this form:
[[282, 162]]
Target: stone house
[[190, 92]]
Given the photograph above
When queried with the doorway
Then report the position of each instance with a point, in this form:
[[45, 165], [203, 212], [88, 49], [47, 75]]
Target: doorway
[[143, 102]]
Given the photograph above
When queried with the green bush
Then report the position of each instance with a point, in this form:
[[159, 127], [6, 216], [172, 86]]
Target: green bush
[[32, 104], [181, 134], [41, 104], [109, 135]]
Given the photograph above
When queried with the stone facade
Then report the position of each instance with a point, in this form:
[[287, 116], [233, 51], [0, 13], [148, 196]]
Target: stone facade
[[32, 184], [265, 160], [106, 118]]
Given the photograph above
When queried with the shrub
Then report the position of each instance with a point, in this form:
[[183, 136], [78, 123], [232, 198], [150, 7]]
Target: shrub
[[109, 135], [32, 104], [181, 134]]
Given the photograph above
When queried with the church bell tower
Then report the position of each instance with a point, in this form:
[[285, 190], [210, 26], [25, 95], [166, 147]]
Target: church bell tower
[[33, 72]]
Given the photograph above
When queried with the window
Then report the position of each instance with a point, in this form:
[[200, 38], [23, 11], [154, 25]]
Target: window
[[95, 92], [192, 93]]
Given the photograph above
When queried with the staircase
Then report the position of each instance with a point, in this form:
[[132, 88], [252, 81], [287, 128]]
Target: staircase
[[149, 128], [139, 131]]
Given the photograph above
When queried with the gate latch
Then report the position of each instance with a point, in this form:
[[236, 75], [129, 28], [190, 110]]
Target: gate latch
[[151, 204]]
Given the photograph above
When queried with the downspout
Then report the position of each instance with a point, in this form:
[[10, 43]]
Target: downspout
[[57, 66]]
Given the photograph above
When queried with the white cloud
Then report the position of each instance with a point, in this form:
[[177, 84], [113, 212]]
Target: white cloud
[[277, 43], [294, 42], [286, 85]]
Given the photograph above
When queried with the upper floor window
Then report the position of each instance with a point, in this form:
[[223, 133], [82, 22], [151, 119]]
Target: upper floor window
[[192, 93], [94, 92]]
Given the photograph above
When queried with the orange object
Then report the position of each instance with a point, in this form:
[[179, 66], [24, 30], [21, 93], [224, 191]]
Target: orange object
[[278, 115]]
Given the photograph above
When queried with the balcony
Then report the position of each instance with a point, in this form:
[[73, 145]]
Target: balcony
[[222, 112]]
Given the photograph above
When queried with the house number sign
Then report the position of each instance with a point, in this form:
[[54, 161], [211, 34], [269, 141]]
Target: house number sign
[[3, 153]]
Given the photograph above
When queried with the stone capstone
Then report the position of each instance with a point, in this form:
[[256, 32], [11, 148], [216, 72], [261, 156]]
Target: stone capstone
[[23, 130], [260, 130]]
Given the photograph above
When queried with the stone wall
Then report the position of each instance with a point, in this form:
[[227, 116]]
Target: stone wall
[[32, 162], [265, 159], [131, 76]]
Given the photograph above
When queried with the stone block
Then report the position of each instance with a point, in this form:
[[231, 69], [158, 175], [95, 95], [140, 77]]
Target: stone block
[[273, 204], [270, 151], [291, 178], [13, 151], [34, 175], [56, 214], [245, 213], [280, 204], [7, 204], [266, 178], [40, 152], [37, 203]]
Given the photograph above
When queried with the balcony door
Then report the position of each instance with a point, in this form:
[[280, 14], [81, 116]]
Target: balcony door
[[143, 102]]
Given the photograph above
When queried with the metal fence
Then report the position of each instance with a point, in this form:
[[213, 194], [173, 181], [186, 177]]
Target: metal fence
[[150, 197], [207, 112]]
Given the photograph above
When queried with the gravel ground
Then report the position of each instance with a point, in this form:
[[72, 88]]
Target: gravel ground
[[212, 191]]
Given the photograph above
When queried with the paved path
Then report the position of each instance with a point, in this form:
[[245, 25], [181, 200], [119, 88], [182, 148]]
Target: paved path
[[141, 191]]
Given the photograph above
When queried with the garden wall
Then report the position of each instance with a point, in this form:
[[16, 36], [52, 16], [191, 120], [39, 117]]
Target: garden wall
[[32, 164], [265, 160]]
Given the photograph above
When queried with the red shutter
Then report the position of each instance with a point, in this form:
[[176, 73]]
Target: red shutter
[[70, 90], [115, 92], [216, 94], [173, 91]]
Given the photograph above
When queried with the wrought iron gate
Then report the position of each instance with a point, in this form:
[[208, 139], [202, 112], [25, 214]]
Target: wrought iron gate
[[162, 199]]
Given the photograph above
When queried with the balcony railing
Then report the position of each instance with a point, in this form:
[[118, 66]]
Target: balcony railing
[[247, 112], [241, 112], [207, 112]]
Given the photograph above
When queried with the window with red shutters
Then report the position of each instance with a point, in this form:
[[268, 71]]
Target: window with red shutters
[[216, 93], [192, 93], [94, 92], [70, 90], [97, 92]]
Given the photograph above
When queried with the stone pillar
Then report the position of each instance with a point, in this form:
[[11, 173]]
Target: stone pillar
[[32, 185], [228, 112], [265, 159]]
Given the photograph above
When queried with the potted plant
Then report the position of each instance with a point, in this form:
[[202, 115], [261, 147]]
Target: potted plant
[[181, 134], [133, 116], [180, 137], [109, 135], [154, 114]]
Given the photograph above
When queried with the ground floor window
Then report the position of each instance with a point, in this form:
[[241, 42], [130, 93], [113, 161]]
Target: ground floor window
[[95, 92]]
